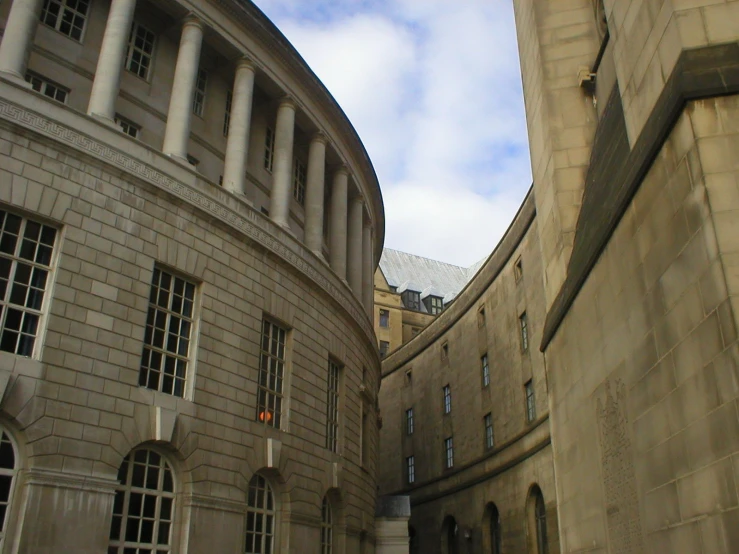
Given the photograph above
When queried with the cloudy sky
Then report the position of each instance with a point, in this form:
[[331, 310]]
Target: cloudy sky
[[433, 88]]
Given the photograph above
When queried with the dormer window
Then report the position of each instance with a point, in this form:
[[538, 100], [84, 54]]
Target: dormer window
[[434, 304], [411, 300]]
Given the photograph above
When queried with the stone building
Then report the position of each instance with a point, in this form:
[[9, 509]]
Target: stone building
[[184, 367], [605, 322], [410, 291]]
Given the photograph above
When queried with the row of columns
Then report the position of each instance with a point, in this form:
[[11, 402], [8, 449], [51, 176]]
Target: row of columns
[[350, 241]]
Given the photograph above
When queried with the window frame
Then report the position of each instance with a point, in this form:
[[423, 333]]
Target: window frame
[[262, 414], [227, 112], [131, 49], [410, 469], [530, 396], [45, 83], [199, 93], [269, 149], [333, 404], [263, 534], [124, 122], [411, 300], [61, 20], [41, 312], [384, 348], [485, 363], [327, 527], [300, 179], [192, 344], [384, 317], [409, 423], [434, 304], [489, 433], [127, 489], [447, 392], [523, 322], [449, 452]]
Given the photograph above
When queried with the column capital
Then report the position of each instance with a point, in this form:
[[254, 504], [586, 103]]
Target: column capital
[[319, 136], [245, 62], [288, 101], [192, 20], [342, 169]]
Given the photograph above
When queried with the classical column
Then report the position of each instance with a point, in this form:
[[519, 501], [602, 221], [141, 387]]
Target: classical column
[[368, 278], [279, 201], [110, 61], [314, 194], [354, 245], [20, 29], [177, 133], [237, 146], [337, 240]]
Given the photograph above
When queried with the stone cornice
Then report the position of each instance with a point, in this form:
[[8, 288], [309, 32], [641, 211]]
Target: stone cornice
[[469, 296], [213, 503], [84, 134]]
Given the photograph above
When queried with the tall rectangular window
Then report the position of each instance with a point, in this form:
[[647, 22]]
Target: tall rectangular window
[[269, 148], [299, 176], [66, 16], [227, 113], [364, 439], [332, 407], [384, 348], [271, 374], [524, 324], [447, 399], [140, 50], [47, 88], [384, 318], [409, 421], [198, 96], [489, 437], [485, 370], [410, 469], [530, 401], [169, 323], [449, 453], [26, 247]]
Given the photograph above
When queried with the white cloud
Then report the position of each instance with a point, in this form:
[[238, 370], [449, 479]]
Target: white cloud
[[433, 89]]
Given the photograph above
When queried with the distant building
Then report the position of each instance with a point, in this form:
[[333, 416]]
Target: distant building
[[410, 291]]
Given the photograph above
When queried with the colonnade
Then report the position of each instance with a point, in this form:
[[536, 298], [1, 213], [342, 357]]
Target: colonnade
[[351, 235]]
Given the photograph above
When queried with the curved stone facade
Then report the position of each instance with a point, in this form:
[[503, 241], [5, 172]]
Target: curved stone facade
[[474, 362], [180, 357]]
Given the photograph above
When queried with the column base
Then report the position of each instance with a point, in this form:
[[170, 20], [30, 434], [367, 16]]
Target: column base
[[16, 78], [179, 159], [104, 119], [320, 256]]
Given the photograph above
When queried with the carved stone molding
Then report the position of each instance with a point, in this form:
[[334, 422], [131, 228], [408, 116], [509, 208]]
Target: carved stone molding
[[46, 478], [213, 503]]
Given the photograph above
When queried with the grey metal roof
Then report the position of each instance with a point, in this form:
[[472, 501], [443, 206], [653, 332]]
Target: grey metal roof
[[428, 277]]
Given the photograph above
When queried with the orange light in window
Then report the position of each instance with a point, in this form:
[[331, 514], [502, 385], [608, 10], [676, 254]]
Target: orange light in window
[[268, 415]]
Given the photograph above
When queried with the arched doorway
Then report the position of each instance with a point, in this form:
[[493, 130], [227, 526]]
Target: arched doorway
[[449, 536], [493, 535], [536, 518]]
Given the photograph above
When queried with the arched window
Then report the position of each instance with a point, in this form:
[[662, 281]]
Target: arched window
[[260, 517], [536, 514], [327, 527], [8, 471], [495, 534], [541, 523], [144, 505]]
